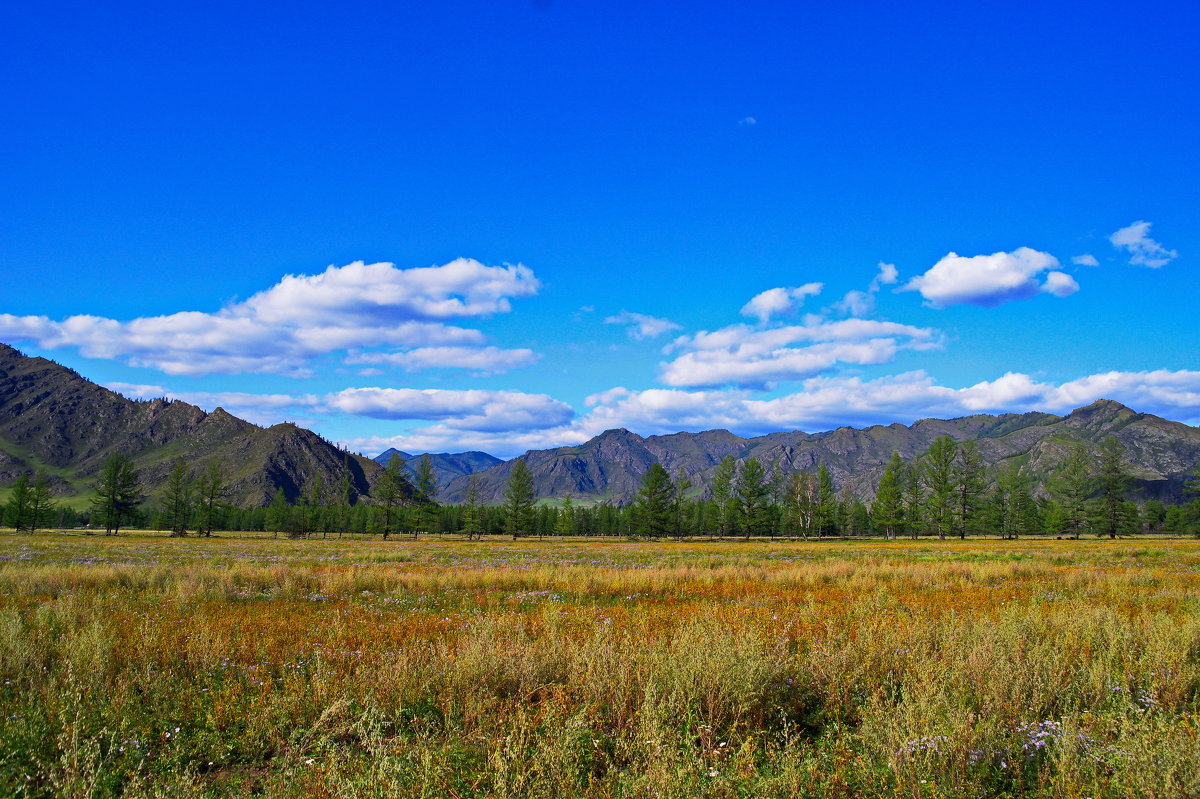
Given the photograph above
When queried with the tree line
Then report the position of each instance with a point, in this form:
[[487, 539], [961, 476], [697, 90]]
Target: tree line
[[947, 491]]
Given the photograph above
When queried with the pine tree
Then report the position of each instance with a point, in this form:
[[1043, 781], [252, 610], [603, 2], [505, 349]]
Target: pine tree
[[519, 495], [389, 491], [213, 494], [472, 517], [937, 475], [426, 480], [825, 516], [653, 505], [888, 508], [1071, 484], [118, 493], [41, 502], [564, 525], [278, 516], [17, 509], [178, 499], [1112, 483], [969, 487], [914, 501], [679, 507], [753, 494], [722, 495]]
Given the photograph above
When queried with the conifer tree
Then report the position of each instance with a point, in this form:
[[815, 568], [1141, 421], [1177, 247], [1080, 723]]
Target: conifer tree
[[472, 517], [178, 501], [518, 501], [213, 495], [118, 493], [17, 509], [653, 505], [888, 508], [564, 525], [724, 502], [41, 502], [389, 491], [427, 484], [937, 475], [1071, 484], [753, 494], [1112, 483], [825, 515]]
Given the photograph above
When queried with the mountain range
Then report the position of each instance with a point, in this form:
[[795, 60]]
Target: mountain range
[[52, 418], [608, 468]]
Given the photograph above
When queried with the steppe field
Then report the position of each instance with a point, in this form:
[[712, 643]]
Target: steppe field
[[246, 666]]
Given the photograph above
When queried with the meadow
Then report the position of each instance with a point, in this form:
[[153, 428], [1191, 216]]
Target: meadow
[[146, 666]]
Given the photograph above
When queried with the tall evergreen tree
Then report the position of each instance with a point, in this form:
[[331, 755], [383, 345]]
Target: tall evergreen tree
[[753, 494], [653, 505], [723, 499], [679, 510], [825, 515], [914, 501], [17, 511], [472, 515], [427, 485], [41, 502], [118, 493], [212, 491], [518, 501], [1071, 484], [969, 487], [888, 508], [937, 475], [178, 502], [564, 525], [278, 516], [1112, 483], [389, 492]]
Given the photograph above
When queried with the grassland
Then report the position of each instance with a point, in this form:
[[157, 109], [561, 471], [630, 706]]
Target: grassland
[[241, 666]]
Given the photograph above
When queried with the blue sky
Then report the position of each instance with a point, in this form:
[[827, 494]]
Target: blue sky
[[570, 216]]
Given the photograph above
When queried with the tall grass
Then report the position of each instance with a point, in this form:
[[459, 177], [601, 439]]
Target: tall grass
[[296, 669]]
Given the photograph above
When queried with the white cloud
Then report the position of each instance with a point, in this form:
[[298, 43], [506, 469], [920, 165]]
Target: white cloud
[[1087, 259], [476, 410], [1060, 284], [486, 360], [823, 403], [746, 356], [777, 301], [747, 121], [862, 303], [1143, 250], [986, 280], [642, 326], [281, 330]]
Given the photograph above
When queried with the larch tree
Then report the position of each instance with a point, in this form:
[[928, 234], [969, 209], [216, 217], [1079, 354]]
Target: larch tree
[[472, 514], [17, 509], [212, 491], [1071, 484], [887, 510], [1112, 485], [723, 500], [389, 491], [179, 499], [937, 475], [41, 501], [753, 494], [653, 505], [519, 496], [118, 493], [426, 480], [969, 487]]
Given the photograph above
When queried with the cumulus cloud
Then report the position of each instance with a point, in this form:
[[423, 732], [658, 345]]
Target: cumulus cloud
[[823, 403], [778, 301], [989, 280], [282, 329], [478, 410], [1087, 259], [747, 121], [862, 303], [1143, 250], [485, 360], [641, 326], [746, 356], [1060, 284]]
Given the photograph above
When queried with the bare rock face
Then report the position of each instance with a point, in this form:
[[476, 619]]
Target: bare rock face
[[52, 418], [1160, 453]]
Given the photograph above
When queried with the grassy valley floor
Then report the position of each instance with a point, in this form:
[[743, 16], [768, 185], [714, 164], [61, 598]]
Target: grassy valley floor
[[246, 666]]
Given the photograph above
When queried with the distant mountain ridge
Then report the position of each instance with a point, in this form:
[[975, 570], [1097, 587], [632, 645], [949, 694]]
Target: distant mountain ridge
[[446, 465], [608, 468], [51, 418]]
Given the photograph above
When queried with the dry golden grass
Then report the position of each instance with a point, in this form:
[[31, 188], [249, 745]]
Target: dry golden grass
[[146, 666]]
